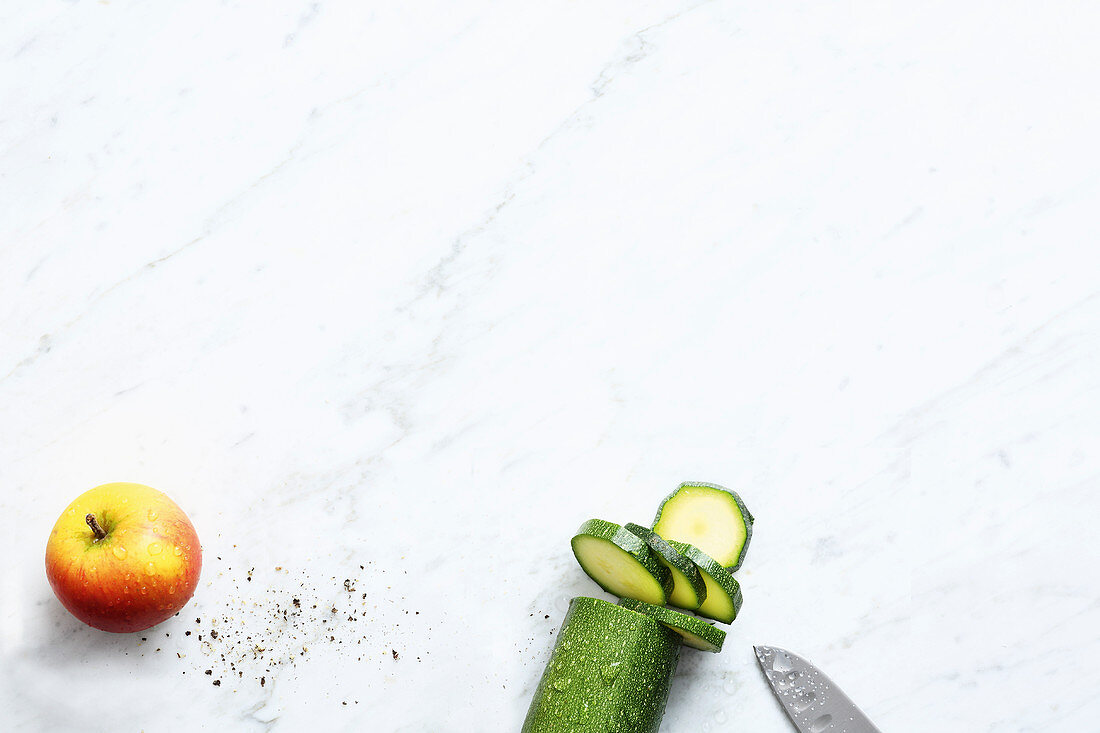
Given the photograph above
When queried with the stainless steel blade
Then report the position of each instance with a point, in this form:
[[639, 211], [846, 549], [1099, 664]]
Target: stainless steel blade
[[814, 703]]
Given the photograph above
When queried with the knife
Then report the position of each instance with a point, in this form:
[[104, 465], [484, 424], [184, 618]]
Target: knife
[[813, 702]]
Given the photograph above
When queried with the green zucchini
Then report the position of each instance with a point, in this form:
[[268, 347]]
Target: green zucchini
[[688, 588], [712, 518], [621, 562], [609, 672], [723, 601], [692, 631]]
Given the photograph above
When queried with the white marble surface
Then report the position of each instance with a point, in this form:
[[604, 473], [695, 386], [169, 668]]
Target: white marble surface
[[421, 286]]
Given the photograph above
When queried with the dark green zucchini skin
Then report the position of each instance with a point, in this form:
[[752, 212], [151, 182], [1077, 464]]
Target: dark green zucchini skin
[[610, 672]]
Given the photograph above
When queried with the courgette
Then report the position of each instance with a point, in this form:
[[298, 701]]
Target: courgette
[[693, 632], [609, 672], [688, 588], [711, 517], [621, 562], [723, 601]]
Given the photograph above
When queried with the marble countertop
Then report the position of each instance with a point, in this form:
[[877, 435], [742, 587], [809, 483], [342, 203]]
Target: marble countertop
[[391, 297]]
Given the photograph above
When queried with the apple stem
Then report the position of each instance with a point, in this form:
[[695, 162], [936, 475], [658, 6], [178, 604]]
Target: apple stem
[[99, 533]]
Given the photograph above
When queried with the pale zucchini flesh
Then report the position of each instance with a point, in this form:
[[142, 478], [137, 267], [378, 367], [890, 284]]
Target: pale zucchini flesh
[[621, 562], [710, 517]]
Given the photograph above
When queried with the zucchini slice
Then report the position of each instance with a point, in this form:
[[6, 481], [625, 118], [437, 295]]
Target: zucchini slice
[[711, 517], [610, 672], [621, 562], [688, 588], [723, 600], [692, 631]]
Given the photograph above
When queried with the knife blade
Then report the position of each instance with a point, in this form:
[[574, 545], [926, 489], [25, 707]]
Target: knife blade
[[813, 701]]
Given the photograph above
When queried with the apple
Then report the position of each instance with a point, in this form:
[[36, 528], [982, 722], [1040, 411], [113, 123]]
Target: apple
[[123, 557]]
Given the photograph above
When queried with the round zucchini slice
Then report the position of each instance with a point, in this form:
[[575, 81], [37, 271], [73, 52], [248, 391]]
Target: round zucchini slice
[[711, 517], [621, 562], [693, 632], [723, 601], [688, 588]]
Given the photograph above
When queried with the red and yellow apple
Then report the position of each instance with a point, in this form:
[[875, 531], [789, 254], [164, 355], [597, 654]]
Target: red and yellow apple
[[123, 557]]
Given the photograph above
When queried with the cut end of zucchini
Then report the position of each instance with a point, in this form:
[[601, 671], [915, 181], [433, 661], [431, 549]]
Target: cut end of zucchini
[[723, 601], [688, 588], [711, 517], [691, 631], [621, 562]]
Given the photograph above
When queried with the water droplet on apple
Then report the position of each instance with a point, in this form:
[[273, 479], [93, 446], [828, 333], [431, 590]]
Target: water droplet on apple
[[177, 551], [120, 551], [143, 591], [151, 569], [172, 589], [152, 515], [154, 548]]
